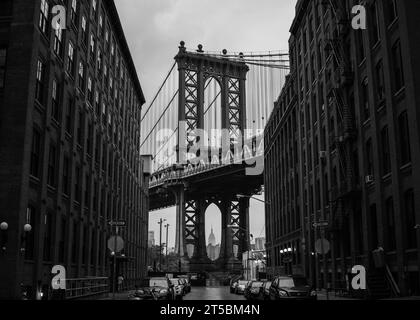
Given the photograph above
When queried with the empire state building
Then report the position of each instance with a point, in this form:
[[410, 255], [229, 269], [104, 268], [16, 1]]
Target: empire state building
[[213, 249]]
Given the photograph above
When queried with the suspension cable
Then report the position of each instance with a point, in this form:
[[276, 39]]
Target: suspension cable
[[160, 118], [157, 94]]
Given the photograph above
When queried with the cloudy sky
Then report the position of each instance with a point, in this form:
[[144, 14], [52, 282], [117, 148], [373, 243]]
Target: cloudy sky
[[154, 28]]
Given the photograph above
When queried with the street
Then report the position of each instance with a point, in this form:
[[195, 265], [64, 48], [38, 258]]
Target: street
[[212, 293]]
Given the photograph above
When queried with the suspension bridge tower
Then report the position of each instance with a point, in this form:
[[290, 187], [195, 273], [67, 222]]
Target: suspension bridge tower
[[196, 69]]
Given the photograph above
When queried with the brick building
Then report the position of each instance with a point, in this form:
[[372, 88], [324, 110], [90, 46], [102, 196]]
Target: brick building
[[343, 147], [70, 108]]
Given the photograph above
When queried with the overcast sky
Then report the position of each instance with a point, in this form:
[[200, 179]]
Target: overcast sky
[[154, 28]]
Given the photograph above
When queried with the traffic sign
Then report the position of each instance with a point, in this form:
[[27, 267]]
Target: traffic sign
[[118, 223], [322, 246], [116, 244], [321, 224]]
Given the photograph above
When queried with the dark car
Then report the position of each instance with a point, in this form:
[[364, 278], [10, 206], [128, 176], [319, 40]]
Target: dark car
[[154, 289], [292, 287], [266, 290], [240, 288], [254, 291], [187, 284]]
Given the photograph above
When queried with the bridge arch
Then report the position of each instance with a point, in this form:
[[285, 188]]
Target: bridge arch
[[213, 227]]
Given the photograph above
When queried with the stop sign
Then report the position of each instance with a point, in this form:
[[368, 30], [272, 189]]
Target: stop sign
[[116, 244]]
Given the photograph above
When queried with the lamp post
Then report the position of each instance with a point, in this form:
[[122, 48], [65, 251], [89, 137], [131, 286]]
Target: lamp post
[[166, 255], [160, 242], [3, 228]]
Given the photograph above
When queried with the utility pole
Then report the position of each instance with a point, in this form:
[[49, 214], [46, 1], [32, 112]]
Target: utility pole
[[160, 242], [166, 256]]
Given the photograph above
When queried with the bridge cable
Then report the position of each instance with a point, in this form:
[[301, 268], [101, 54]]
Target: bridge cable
[[159, 91]]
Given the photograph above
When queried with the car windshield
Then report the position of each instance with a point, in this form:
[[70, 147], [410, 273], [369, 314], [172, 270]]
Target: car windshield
[[257, 284], [292, 282], [175, 282], [242, 283], [268, 284], [158, 283]]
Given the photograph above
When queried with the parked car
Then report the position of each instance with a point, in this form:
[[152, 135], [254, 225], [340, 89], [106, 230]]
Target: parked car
[[187, 284], [240, 288], [233, 285], [292, 287], [179, 288], [254, 291], [154, 289], [266, 290]]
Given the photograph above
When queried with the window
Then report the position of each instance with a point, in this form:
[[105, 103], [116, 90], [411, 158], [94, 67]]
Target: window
[[39, 84], [70, 60], [398, 66], [369, 158], [94, 6], [30, 236], [89, 138], [365, 99], [81, 76], [392, 11], [380, 84], [58, 42], [410, 220], [89, 91], [97, 104], [35, 153], [52, 160], [404, 135], [92, 47], [392, 242], [66, 175], [77, 186], [55, 101], [85, 241], [374, 225], [79, 129], [69, 116], [3, 55], [73, 12], [62, 241], [47, 236], [386, 155], [84, 31], [87, 190], [361, 47], [375, 23], [75, 242], [43, 17]]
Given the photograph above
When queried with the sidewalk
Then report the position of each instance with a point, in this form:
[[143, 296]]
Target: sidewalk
[[322, 295], [118, 296]]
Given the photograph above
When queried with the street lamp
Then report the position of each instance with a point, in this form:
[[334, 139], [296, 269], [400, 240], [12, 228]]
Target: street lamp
[[3, 227], [167, 230], [248, 236], [160, 242], [26, 228]]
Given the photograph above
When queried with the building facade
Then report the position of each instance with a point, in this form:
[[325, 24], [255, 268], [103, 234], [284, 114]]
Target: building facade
[[343, 150], [70, 108]]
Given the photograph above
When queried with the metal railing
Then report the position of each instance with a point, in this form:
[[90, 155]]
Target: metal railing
[[86, 287]]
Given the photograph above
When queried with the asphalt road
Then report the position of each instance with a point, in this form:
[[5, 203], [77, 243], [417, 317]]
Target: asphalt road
[[212, 293]]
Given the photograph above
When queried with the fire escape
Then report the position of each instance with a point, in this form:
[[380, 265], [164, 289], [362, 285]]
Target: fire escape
[[340, 78]]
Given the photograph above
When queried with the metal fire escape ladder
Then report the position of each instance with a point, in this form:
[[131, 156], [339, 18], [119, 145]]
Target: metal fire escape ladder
[[342, 77]]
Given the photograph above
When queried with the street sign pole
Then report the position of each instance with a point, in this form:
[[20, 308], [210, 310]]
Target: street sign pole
[[325, 261], [115, 263]]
